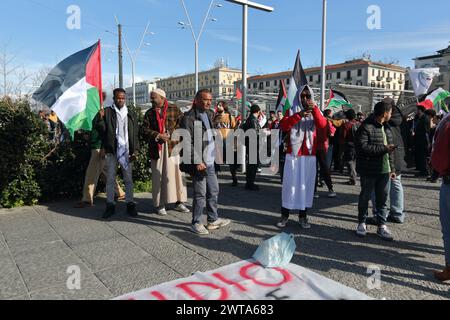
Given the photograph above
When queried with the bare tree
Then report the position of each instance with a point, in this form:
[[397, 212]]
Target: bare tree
[[7, 69]]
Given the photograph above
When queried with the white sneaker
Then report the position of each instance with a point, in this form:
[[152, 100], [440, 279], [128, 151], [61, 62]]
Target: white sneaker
[[332, 194], [304, 223], [384, 233], [199, 228], [316, 195], [361, 230], [217, 224], [161, 212], [282, 223], [182, 208]]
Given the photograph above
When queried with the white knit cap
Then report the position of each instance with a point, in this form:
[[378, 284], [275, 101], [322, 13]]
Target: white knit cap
[[161, 92]]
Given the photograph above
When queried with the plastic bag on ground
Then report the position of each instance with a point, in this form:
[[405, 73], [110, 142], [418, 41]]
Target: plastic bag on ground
[[276, 251]]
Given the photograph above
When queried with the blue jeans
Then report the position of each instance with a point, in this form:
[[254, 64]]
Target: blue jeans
[[396, 197], [379, 183], [444, 212], [206, 194]]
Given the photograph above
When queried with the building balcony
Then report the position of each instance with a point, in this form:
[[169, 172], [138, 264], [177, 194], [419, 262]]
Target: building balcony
[[400, 81], [348, 79], [379, 78], [389, 79]]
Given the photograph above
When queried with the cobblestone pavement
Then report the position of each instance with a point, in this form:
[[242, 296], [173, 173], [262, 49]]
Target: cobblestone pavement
[[38, 244]]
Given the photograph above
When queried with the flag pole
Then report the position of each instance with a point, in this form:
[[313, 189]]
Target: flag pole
[[324, 44]]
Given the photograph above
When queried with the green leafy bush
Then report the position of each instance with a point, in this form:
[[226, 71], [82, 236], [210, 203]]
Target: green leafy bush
[[34, 168]]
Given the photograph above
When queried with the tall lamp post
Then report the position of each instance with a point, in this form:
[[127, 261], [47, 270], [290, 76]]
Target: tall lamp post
[[245, 5], [134, 56], [324, 46], [197, 37]]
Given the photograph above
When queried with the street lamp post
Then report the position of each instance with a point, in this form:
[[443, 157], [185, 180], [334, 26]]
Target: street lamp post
[[324, 45], [133, 59], [245, 5], [197, 38]]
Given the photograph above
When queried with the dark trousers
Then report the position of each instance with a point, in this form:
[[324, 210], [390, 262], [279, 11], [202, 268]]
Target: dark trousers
[[325, 174], [251, 174], [379, 183], [285, 213], [233, 171], [421, 151]]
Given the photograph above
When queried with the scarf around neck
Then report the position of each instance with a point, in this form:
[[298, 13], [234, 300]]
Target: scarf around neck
[[304, 129], [161, 119], [122, 136]]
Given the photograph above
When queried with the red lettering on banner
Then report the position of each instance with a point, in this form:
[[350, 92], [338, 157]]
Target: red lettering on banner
[[287, 277], [186, 287], [158, 295], [230, 282]]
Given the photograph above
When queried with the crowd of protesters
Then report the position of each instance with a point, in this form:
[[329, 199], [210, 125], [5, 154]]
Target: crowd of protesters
[[378, 149]]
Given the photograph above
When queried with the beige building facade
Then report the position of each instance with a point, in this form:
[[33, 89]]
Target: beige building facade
[[220, 81], [361, 72], [440, 60]]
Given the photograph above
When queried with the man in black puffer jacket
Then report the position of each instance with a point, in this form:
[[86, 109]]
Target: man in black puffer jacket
[[119, 130], [375, 164]]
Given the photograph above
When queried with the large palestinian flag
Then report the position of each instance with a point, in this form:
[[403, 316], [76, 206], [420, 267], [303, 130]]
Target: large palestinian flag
[[297, 81], [337, 101], [436, 98], [73, 89]]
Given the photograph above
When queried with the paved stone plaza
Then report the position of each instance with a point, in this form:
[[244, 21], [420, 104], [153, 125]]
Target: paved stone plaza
[[38, 244]]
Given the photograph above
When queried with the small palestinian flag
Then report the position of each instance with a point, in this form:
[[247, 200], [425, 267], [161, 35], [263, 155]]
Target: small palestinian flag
[[73, 89], [337, 101], [435, 99], [282, 96]]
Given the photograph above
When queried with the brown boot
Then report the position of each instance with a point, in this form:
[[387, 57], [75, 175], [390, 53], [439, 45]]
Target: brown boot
[[444, 275]]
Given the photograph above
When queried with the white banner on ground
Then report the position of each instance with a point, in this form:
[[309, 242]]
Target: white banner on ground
[[421, 79], [248, 280]]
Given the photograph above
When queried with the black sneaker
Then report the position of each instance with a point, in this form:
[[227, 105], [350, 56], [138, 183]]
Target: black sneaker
[[394, 220], [131, 209], [252, 187], [110, 211], [235, 183], [372, 221]]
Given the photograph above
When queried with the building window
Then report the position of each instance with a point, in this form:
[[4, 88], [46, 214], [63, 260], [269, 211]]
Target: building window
[[275, 82], [373, 84], [329, 76], [395, 75], [310, 78], [349, 74], [379, 73], [373, 72], [288, 80], [395, 86], [318, 78], [359, 72], [384, 73], [267, 83], [255, 85], [261, 85], [338, 75]]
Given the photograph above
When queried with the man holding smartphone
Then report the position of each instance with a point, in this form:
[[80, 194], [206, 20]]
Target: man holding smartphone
[[375, 164]]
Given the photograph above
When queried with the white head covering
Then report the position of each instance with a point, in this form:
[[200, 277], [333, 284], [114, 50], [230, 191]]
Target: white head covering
[[161, 92]]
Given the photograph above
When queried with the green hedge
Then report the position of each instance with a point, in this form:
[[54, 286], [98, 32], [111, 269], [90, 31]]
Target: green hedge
[[33, 168]]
